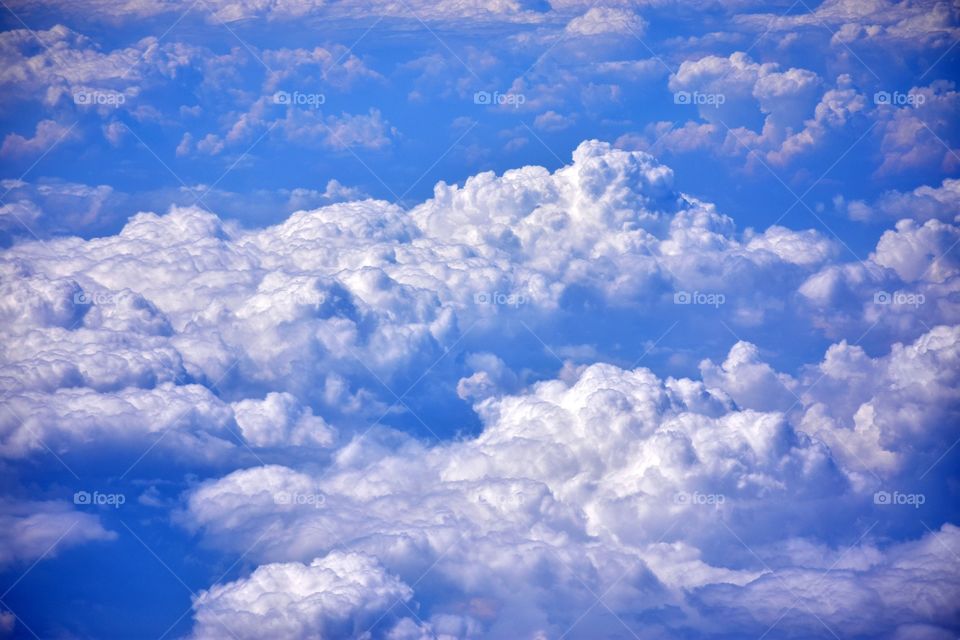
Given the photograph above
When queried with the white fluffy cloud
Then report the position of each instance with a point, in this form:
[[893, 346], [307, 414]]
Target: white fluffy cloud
[[785, 97], [69, 63], [814, 599], [879, 416], [324, 308], [280, 420], [797, 117], [917, 136], [618, 483], [192, 421], [923, 203], [889, 22], [607, 21], [204, 339], [907, 284], [882, 433], [330, 597], [31, 530], [47, 135], [920, 252], [258, 369]]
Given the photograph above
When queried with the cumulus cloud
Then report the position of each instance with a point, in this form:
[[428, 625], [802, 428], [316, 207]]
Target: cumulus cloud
[[32, 530], [905, 286], [334, 596], [73, 69], [606, 21], [912, 135], [302, 127], [48, 134], [892, 586], [878, 415], [920, 252], [739, 83], [848, 21], [923, 203], [368, 131], [580, 401], [749, 381], [334, 66], [729, 92], [615, 482], [837, 108], [70, 66], [205, 339], [882, 433], [193, 421], [552, 121], [279, 419], [311, 317]]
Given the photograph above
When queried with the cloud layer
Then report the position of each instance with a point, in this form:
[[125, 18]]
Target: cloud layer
[[344, 319]]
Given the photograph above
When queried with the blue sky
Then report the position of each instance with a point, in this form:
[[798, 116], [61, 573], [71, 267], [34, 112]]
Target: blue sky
[[479, 319]]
